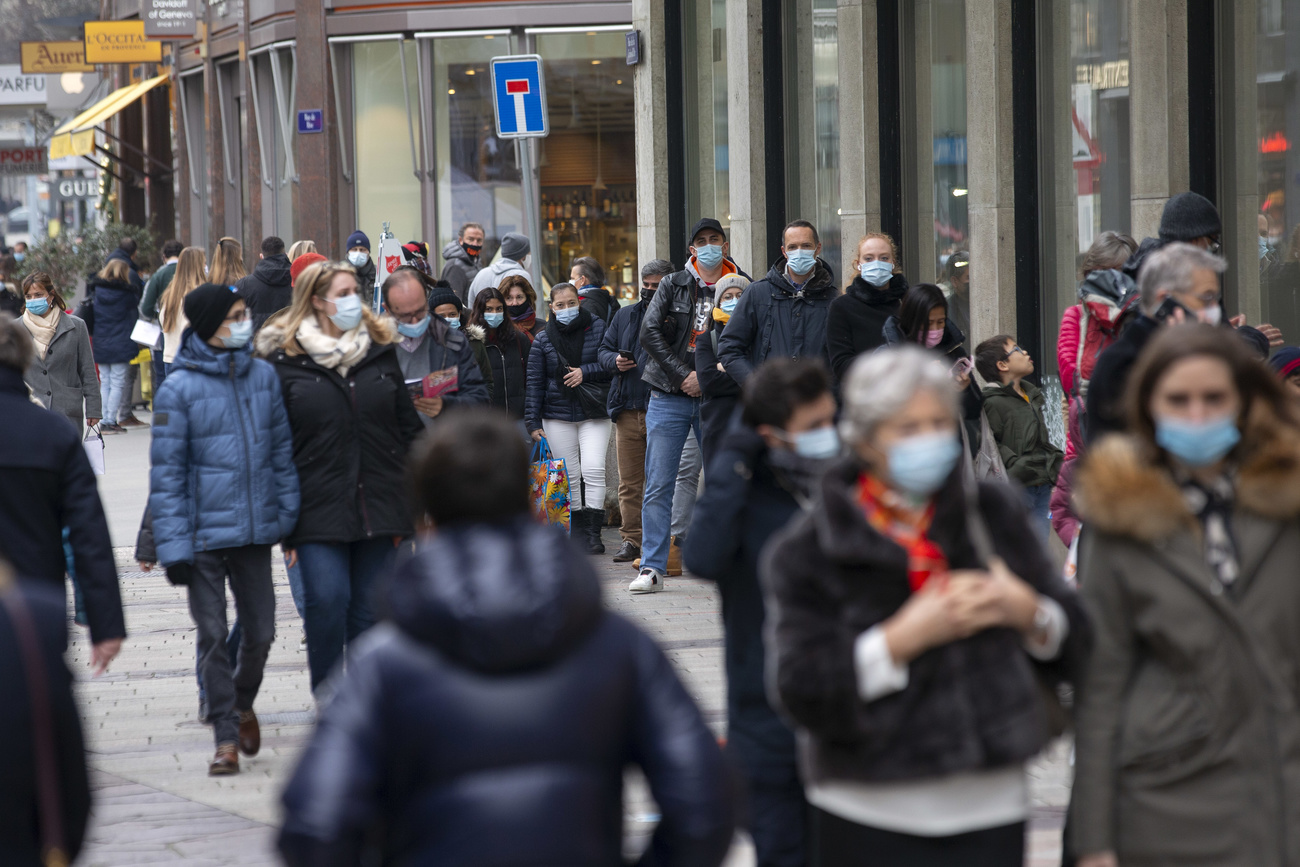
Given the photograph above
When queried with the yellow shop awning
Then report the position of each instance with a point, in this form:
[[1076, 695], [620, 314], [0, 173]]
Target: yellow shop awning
[[76, 138]]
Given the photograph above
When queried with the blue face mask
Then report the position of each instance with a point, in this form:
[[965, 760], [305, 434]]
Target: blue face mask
[[417, 330], [240, 334], [1263, 247], [920, 465], [1197, 444], [19, 257], [801, 261], [494, 319], [347, 313], [38, 306], [567, 315], [709, 256], [877, 273], [729, 306], [818, 444], [452, 321]]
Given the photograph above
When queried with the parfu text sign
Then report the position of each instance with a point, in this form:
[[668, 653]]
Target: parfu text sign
[[120, 42], [44, 58], [17, 158]]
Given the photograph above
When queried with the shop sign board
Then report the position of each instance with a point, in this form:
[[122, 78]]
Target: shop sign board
[[18, 88], [633, 41], [169, 19], [17, 158], [73, 189], [519, 96], [41, 58], [120, 42]]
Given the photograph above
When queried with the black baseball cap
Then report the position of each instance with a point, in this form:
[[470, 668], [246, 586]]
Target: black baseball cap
[[706, 223]]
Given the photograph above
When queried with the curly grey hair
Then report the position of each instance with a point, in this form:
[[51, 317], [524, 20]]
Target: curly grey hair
[[880, 383], [1173, 267]]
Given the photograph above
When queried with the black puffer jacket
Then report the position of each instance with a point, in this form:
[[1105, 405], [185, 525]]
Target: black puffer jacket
[[857, 320], [721, 394], [351, 436], [269, 289], [415, 760], [968, 705], [599, 302], [776, 319], [627, 391], [509, 362], [545, 398], [116, 306]]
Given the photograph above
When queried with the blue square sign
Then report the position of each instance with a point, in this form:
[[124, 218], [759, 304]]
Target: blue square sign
[[519, 96], [311, 120]]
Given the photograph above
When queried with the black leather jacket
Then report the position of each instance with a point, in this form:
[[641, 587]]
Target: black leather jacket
[[666, 331]]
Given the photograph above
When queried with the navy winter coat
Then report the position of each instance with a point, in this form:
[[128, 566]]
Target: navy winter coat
[[774, 319], [117, 307], [222, 454], [624, 333], [544, 398], [490, 721], [721, 394]]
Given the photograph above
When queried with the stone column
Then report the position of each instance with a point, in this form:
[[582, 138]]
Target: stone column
[[918, 87], [746, 145], [213, 178], [990, 168], [1239, 206], [1158, 108], [317, 163], [1061, 186], [650, 88], [859, 126]]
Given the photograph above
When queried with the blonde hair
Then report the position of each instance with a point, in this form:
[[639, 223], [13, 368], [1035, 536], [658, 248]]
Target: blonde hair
[[301, 248], [191, 268], [46, 282], [116, 269], [314, 282], [228, 262]]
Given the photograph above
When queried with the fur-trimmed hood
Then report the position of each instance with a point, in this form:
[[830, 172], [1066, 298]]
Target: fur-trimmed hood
[[475, 332], [1123, 488]]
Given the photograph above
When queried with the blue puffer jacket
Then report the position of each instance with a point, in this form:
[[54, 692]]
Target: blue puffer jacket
[[116, 309], [490, 721], [544, 399], [222, 454]]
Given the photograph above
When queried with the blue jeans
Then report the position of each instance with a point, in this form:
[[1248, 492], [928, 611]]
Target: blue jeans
[[338, 581], [295, 586], [112, 388], [1038, 499], [669, 420]]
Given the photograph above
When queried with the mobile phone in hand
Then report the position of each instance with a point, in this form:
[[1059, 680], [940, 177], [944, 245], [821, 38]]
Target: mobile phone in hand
[[623, 353], [963, 367]]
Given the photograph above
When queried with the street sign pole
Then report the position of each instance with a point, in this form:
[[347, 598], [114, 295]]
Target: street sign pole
[[532, 225], [519, 103]]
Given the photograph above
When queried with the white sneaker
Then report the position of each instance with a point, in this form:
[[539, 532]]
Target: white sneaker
[[649, 581]]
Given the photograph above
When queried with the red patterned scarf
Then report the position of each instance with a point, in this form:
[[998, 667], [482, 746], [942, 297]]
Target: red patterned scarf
[[907, 527]]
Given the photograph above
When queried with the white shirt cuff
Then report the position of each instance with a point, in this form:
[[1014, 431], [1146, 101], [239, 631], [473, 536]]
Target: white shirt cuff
[[878, 674], [1046, 645]]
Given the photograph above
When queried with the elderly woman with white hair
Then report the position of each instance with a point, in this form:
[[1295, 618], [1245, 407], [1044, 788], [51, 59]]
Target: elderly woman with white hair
[[910, 618]]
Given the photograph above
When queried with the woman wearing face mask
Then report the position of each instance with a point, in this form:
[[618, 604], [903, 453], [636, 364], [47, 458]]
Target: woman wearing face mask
[[506, 349], [923, 319], [857, 318], [1188, 569], [521, 305], [907, 615], [62, 375], [563, 364], [353, 424], [721, 392]]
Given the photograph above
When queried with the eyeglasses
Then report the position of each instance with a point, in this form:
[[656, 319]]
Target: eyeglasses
[[242, 316], [409, 318], [1013, 350]]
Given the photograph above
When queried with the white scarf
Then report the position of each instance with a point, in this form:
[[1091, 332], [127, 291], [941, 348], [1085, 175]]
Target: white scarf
[[42, 328], [340, 353]]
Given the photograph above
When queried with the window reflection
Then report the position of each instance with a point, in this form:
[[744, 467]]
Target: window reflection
[[387, 189], [1100, 115], [705, 50], [1277, 62]]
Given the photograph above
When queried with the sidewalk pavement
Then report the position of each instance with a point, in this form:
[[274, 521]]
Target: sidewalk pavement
[[155, 804]]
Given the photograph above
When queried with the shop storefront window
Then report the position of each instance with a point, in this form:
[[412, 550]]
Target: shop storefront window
[[1277, 66], [948, 130], [387, 188], [1099, 115], [587, 166], [708, 192]]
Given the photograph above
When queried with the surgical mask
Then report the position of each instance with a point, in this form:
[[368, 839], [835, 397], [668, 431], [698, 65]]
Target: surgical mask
[[933, 338], [729, 306], [919, 465], [877, 273], [347, 313], [1197, 444], [18, 257], [567, 315], [452, 321], [709, 256], [818, 444], [406, 329], [358, 258], [494, 319], [801, 261], [1211, 315], [1263, 247], [240, 334], [38, 306]]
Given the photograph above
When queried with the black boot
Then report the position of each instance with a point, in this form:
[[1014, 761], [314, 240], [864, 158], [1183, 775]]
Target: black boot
[[595, 523], [578, 525]]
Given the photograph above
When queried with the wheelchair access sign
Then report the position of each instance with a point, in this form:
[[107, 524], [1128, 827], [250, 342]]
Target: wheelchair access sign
[[519, 96]]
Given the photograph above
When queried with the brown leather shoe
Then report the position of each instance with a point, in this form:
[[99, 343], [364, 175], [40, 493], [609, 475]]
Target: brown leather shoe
[[250, 734], [674, 560], [132, 421], [226, 761]]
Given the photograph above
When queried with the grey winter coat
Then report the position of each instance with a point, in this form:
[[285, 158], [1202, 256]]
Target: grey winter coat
[[459, 270], [1189, 714], [65, 380]]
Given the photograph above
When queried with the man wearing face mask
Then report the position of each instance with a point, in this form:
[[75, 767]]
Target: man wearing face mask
[[359, 257], [515, 256], [1178, 283], [677, 318], [783, 315], [462, 258], [431, 342], [768, 463]]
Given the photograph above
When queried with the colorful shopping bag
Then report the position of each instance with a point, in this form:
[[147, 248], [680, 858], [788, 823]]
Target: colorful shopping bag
[[549, 481]]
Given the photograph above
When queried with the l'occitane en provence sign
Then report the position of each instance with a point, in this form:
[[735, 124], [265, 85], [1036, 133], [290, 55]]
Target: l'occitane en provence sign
[[120, 42]]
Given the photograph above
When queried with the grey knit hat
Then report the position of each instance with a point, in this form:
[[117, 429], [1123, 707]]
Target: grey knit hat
[[728, 282], [1188, 216], [514, 246]]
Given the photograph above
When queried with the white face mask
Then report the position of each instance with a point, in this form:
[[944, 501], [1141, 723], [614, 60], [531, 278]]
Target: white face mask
[[1211, 315], [358, 258]]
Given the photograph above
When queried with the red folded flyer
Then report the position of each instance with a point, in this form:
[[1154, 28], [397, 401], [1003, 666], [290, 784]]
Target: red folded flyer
[[436, 384]]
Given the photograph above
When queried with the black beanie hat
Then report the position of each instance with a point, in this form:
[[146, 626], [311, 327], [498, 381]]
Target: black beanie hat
[[206, 308], [1188, 216], [443, 295]]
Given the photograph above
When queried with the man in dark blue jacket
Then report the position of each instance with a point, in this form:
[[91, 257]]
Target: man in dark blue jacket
[[783, 315], [622, 354], [767, 464], [490, 720]]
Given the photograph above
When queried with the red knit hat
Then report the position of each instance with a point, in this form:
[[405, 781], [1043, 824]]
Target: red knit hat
[[303, 262]]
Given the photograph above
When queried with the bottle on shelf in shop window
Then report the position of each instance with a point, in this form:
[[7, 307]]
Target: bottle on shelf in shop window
[[608, 204], [582, 207], [546, 208], [627, 270], [568, 209], [615, 207]]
